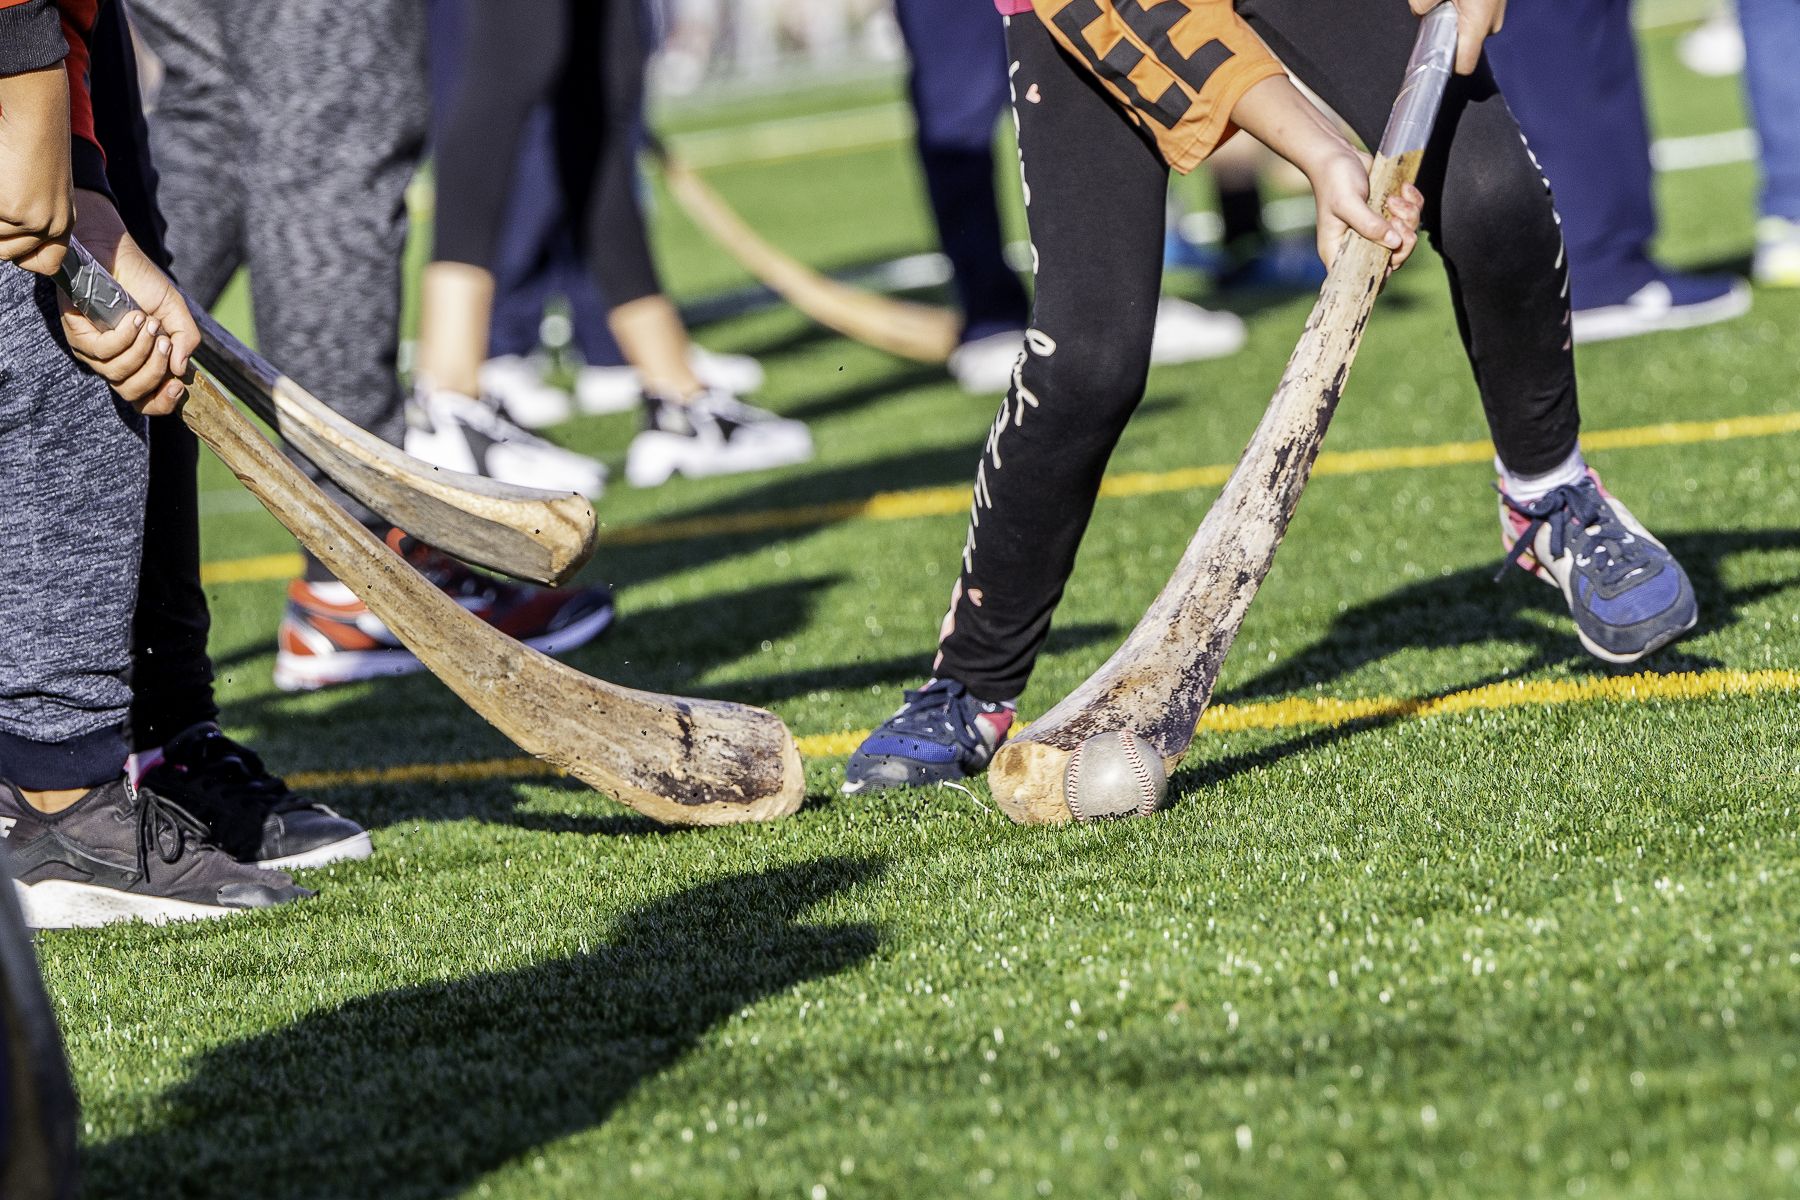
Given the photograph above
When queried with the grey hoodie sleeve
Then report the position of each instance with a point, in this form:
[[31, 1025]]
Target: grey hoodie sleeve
[[31, 37]]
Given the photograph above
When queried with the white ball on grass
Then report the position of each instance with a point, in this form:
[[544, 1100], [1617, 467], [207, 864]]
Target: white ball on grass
[[1114, 774]]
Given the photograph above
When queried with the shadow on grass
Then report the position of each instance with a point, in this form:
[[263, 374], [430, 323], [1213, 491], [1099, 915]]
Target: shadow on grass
[[1469, 607], [671, 649], [420, 1091]]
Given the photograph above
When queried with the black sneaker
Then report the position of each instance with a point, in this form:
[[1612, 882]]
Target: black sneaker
[[122, 855], [248, 812]]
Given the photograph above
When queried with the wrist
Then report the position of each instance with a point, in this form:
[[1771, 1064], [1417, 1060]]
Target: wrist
[[1328, 153], [1278, 115]]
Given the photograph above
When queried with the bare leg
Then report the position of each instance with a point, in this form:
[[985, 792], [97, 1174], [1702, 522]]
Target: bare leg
[[455, 303], [650, 333]]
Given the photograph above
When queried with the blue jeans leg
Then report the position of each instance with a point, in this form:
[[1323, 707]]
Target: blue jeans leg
[[1772, 77]]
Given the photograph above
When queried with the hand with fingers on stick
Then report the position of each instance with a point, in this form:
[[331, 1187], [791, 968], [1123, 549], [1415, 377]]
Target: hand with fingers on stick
[[145, 358], [1277, 114]]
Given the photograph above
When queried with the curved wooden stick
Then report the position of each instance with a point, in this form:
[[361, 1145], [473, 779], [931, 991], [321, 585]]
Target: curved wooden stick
[[528, 533], [683, 762], [900, 327], [680, 761]]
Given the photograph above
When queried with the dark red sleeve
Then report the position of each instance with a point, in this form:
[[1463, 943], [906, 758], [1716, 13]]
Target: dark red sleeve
[[85, 154]]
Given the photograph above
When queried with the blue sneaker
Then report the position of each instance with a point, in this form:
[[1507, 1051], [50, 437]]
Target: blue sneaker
[[940, 733], [1626, 592]]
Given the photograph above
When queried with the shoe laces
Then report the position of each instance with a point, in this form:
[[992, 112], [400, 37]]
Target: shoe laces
[[448, 575], [1613, 553], [165, 828], [943, 706], [710, 404]]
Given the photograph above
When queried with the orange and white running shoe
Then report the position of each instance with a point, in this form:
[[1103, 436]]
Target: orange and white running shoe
[[328, 636]]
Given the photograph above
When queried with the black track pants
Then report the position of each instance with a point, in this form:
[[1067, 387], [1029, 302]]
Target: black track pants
[[1094, 190], [587, 60]]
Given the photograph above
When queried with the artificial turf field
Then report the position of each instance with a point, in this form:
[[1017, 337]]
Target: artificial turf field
[[1443, 907]]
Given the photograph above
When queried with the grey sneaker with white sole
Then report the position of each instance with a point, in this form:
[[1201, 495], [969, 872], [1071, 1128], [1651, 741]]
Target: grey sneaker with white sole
[[124, 854]]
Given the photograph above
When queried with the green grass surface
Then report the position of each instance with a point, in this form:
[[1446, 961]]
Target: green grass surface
[[1534, 952]]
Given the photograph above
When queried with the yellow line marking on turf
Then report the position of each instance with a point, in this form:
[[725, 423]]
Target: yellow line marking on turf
[[954, 501], [260, 569], [1322, 711]]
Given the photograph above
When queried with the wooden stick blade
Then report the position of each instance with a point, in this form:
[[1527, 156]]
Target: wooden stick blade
[[899, 327], [1159, 681], [528, 533], [680, 761]]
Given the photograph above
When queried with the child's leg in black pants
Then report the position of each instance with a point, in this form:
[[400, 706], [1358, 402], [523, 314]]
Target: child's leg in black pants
[[1094, 192], [1488, 211]]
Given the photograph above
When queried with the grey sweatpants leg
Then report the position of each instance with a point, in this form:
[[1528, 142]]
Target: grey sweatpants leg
[[73, 465], [286, 135]]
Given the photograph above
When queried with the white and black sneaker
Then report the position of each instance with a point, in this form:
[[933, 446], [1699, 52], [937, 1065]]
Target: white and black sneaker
[[715, 433], [459, 433], [124, 854], [252, 815], [519, 385], [617, 389]]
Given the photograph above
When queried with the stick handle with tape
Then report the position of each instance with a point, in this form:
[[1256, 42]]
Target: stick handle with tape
[[95, 294], [1428, 73]]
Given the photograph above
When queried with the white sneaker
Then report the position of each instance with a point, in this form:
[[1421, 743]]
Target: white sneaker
[[607, 390], [516, 383], [1656, 307], [985, 366], [738, 374], [618, 389], [1715, 48], [1777, 253], [713, 434], [1188, 333], [461, 434]]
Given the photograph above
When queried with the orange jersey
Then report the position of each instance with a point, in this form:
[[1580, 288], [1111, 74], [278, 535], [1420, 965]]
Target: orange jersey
[[1177, 67]]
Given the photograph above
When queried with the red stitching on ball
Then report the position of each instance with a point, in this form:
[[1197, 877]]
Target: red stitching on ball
[[1148, 804], [1072, 783]]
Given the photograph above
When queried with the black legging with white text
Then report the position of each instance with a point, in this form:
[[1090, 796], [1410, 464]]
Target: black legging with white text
[[1095, 190]]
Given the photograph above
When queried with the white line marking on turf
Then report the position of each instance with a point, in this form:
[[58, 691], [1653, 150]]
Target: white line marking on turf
[[1704, 150]]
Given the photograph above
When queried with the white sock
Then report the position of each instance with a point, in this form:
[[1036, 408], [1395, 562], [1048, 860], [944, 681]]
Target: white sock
[[1526, 488]]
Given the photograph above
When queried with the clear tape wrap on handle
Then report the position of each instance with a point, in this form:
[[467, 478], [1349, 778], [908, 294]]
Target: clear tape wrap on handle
[[1422, 92], [95, 294]]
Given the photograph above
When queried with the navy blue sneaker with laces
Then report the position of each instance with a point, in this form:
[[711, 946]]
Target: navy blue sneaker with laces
[[1625, 590], [941, 733]]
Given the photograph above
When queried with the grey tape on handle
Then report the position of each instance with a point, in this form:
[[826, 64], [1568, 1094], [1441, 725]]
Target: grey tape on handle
[[1422, 93], [95, 294]]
